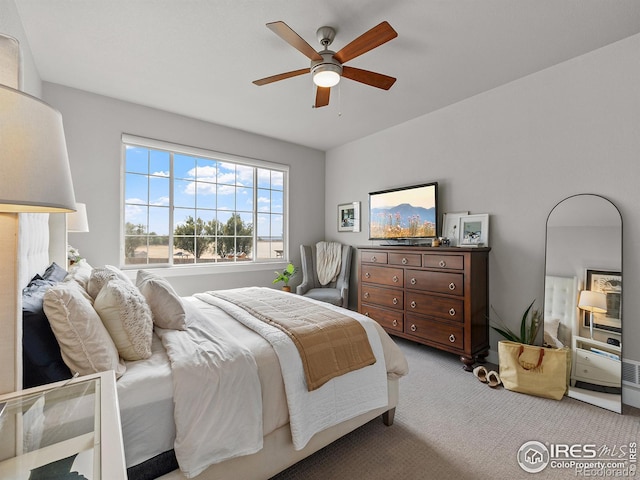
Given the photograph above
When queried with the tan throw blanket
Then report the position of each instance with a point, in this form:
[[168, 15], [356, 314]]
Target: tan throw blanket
[[328, 261], [330, 344]]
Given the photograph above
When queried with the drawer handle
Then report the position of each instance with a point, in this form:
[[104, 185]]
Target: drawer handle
[[452, 311], [442, 263], [395, 301], [452, 338], [413, 281], [367, 275], [395, 279], [373, 259], [404, 261], [366, 295], [394, 323], [413, 304], [452, 286], [413, 328]]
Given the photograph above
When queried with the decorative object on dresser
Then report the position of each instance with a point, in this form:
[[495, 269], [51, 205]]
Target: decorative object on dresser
[[437, 297], [473, 231], [450, 226]]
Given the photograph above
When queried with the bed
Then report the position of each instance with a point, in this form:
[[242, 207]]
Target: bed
[[163, 396]]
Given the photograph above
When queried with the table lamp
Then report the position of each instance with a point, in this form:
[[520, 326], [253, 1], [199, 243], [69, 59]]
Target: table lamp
[[592, 302]]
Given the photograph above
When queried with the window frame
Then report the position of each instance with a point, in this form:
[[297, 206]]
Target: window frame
[[206, 267]]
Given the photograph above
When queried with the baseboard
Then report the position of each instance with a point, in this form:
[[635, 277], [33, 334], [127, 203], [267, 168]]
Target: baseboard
[[630, 395]]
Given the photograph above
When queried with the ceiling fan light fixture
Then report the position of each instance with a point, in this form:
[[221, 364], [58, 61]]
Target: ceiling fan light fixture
[[326, 75]]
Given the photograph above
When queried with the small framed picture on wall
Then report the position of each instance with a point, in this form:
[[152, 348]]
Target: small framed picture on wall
[[473, 231], [349, 217]]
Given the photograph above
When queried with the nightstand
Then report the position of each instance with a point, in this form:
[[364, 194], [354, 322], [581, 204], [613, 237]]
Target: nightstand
[[71, 426], [596, 362]]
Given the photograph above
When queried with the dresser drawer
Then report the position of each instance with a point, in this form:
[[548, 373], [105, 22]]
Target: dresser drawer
[[595, 368], [439, 332], [384, 296], [389, 319], [455, 262], [373, 256], [439, 282], [382, 275], [407, 259], [441, 307]]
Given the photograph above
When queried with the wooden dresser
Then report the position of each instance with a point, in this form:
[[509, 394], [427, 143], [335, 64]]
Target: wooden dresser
[[436, 296]]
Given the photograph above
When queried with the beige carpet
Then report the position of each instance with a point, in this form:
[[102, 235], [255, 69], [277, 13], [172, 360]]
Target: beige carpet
[[448, 425]]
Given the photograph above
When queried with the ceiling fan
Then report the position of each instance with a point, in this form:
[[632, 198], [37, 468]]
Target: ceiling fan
[[327, 67]]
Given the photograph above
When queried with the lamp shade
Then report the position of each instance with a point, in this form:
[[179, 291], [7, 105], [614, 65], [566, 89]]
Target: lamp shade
[[34, 164], [595, 302], [77, 221]]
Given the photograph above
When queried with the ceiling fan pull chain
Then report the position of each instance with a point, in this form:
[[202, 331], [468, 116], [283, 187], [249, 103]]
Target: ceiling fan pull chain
[[339, 101]]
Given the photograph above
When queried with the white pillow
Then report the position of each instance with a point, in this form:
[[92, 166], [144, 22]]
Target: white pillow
[[551, 333], [127, 317], [166, 305], [100, 276], [85, 344], [79, 272]]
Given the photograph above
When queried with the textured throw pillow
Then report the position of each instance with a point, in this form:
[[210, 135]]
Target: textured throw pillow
[[84, 341], [100, 276], [126, 315], [79, 273], [166, 306]]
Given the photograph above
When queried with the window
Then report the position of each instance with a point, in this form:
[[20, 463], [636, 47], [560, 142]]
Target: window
[[186, 206]]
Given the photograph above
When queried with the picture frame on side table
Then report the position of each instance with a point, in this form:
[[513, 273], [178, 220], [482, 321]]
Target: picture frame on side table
[[349, 217], [473, 230], [609, 283], [450, 226]]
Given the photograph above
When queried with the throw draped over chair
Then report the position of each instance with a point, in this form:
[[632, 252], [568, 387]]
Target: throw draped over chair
[[336, 292]]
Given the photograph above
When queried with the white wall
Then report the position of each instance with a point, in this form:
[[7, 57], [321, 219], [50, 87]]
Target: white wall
[[93, 128], [514, 152]]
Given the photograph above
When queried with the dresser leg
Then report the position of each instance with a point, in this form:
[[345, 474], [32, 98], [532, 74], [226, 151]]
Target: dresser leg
[[468, 363], [482, 357]]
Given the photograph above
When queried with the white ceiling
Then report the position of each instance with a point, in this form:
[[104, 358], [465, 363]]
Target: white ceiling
[[198, 57]]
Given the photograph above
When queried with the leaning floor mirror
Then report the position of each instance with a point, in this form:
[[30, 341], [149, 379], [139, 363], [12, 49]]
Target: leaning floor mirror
[[583, 295]]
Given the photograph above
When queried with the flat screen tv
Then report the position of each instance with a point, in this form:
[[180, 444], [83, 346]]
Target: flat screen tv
[[405, 214]]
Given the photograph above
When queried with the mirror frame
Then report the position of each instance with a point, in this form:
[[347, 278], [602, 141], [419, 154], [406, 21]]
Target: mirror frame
[[606, 398]]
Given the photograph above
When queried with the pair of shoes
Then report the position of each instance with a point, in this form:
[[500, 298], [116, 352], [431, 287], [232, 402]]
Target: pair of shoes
[[489, 377]]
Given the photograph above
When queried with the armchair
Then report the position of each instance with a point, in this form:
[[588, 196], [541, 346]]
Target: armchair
[[336, 293]]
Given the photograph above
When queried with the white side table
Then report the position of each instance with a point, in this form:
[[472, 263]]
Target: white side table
[[69, 426], [597, 363]]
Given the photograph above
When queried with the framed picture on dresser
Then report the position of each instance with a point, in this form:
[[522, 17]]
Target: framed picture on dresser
[[450, 226], [473, 231]]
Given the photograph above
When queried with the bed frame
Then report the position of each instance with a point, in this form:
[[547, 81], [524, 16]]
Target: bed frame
[[42, 239]]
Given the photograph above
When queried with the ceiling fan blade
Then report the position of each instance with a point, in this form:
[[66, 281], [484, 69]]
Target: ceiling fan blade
[[369, 40], [292, 38], [280, 76], [369, 78], [322, 96]]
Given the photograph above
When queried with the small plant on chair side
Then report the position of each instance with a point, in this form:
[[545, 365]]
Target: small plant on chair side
[[285, 275]]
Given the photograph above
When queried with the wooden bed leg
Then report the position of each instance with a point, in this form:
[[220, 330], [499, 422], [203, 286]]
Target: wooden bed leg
[[387, 417]]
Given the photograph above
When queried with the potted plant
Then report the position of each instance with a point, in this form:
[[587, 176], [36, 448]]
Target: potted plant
[[529, 327], [285, 275]]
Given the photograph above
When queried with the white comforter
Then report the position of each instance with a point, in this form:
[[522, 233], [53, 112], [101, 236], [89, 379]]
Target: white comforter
[[340, 399], [217, 395]]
